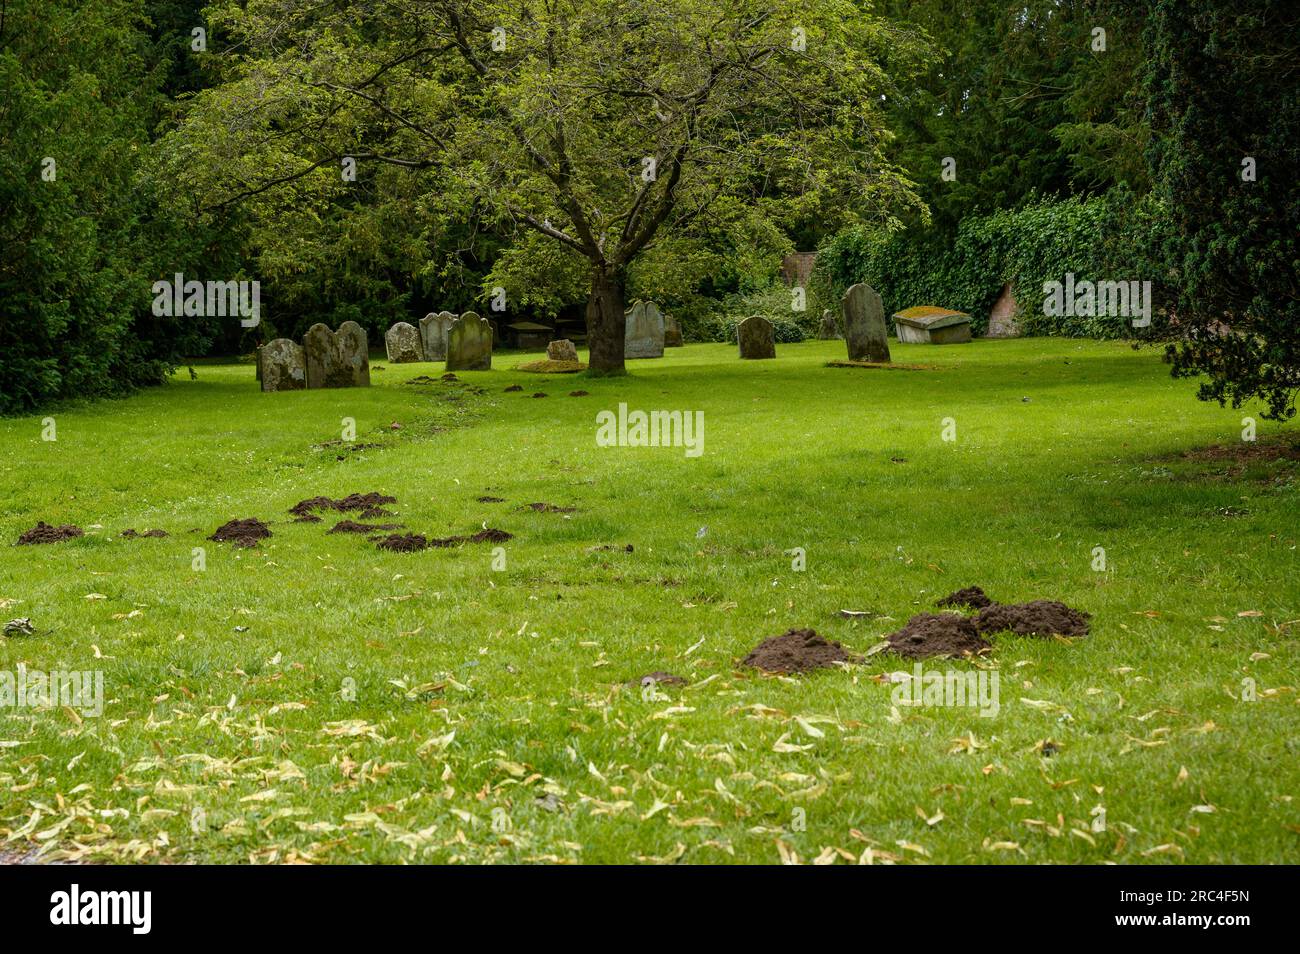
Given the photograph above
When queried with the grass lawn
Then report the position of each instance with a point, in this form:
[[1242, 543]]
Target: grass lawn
[[318, 699]]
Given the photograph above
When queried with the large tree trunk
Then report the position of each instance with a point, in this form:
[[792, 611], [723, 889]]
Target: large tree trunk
[[605, 325]]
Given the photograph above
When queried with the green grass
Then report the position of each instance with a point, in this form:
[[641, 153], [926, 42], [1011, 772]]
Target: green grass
[[525, 666]]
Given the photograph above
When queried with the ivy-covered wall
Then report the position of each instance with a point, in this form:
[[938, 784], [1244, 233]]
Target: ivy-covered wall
[[1027, 247]]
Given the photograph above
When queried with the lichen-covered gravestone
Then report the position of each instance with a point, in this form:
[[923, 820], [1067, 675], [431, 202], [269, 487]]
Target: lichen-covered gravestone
[[756, 338], [433, 334], [281, 366], [865, 332], [828, 330], [469, 344], [644, 331], [403, 344], [672, 332], [562, 350], [336, 359]]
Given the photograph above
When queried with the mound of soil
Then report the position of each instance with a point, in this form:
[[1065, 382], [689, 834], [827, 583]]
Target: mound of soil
[[450, 376], [881, 366], [797, 650], [444, 543], [242, 533], [658, 676], [132, 534], [401, 542], [937, 634], [548, 508], [374, 513], [605, 547], [44, 533], [1035, 618], [971, 596], [369, 504], [577, 394], [351, 526], [513, 388], [489, 499], [541, 394], [491, 536], [421, 379]]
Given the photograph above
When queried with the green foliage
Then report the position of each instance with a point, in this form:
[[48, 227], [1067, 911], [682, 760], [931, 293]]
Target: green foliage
[[1222, 90], [81, 249], [1027, 248]]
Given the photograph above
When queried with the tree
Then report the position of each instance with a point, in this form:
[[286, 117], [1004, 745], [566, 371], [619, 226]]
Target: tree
[[603, 126], [1224, 103]]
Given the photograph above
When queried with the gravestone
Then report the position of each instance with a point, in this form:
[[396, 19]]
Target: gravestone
[[865, 332], [433, 334], [1002, 319], [644, 331], [672, 332], [562, 350], [281, 366], [930, 324], [403, 344], [828, 330], [336, 359], [469, 344], [756, 338]]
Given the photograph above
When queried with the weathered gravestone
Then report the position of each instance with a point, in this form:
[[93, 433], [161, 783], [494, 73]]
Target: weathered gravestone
[[280, 366], [828, 330], [644, 331], [433, 334], [562, 350], [672, 332], [756, 338], [469, 344], [1002, 318], [336, 359], [865, 332], [403, 344]]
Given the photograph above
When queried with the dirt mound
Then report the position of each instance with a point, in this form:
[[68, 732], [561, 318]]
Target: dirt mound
[[242, 533], [577, 394], [937, 634], [369, 503], [421, 379], [971, 596], [351, 526], [133, 534], [658, 676], [486, 498], [541, 394], [548, 508], [605, 547], [1035, 618], [450, 376], [374, 513], [491, 536], [797, 650], [401, 542], [44, 533], [513, 388]]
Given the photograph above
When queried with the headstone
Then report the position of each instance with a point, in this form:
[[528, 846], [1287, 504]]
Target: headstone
[[672, 332], [829, 330], [336, 359], [562, 350], [403, 344], [281, 366], [433, 334], [756, 338], [644, 331], [469, 344], [864, 325], [1002, 319]]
